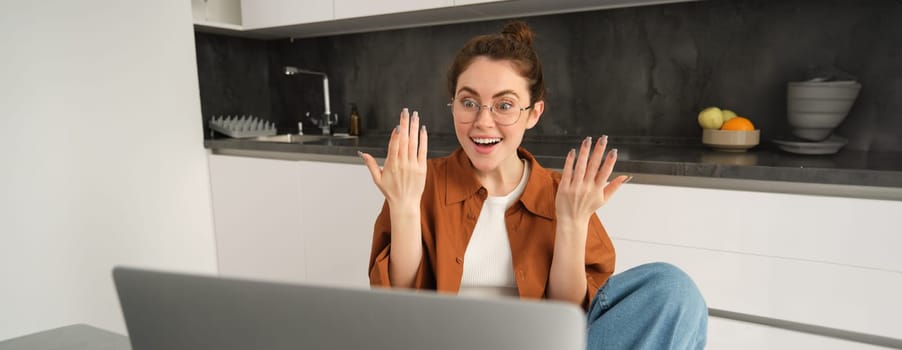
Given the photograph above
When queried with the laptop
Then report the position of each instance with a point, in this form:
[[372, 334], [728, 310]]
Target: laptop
[[166, 310]]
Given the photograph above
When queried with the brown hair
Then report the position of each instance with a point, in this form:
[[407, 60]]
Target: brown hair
[[514, 43]]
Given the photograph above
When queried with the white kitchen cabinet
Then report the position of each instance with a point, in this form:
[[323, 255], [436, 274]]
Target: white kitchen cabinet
[[339, 206], [256, 214], [362, 8], [822, 261], [825, 261], [294, 221], [308, 18], [844, 231], [276, 13], [217, 14]]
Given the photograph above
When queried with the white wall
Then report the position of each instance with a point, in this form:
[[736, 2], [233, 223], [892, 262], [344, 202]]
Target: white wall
[[101, 154]]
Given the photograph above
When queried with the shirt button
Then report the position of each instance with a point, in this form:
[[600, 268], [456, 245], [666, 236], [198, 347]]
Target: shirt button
[[460, 260], [482, 192], [471, 216]]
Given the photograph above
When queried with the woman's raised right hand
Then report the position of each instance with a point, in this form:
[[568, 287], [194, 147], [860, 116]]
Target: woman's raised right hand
[[402, 179]]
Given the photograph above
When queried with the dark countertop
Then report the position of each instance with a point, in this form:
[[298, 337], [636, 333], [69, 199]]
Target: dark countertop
[[657, 156]]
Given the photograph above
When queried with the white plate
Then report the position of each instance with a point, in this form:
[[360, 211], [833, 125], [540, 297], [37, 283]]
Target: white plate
[[829, 146]]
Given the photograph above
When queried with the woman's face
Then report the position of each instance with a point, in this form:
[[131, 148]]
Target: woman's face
[[487, 82]]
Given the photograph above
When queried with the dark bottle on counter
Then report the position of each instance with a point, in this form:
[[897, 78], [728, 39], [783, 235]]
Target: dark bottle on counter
[[354, 121]]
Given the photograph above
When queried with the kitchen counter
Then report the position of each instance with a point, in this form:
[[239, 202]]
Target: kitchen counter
[[664, 161]]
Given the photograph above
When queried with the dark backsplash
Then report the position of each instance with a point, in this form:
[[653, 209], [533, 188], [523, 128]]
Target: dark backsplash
[[233, 77], [643, 71]]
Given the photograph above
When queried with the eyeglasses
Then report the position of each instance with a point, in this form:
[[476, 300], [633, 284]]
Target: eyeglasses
[[503, 112]]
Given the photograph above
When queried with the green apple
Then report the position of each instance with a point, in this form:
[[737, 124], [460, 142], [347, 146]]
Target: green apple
[[710, 118], [728, 114]]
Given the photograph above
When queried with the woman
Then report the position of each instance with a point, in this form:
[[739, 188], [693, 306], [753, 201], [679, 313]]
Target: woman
[[489, 220]]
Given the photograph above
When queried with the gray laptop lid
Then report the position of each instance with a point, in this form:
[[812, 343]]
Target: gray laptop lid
[[180, 311]]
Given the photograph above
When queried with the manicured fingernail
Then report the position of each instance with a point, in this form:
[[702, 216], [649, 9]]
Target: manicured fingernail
[[571, 153], [423, 128], [397, 129], [404, 110], [587, 141], [604, 138], [628, 179], [416, 114], [614, 152], [360, 154]]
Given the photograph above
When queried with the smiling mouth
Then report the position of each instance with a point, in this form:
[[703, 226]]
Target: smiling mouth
[[482, 141]]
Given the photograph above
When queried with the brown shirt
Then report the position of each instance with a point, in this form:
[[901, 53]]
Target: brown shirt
[[451, 203]]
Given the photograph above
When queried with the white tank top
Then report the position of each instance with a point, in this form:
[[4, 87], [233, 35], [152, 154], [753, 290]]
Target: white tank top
[[488, 268]]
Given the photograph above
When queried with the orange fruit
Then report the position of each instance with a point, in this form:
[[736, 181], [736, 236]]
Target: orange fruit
[[738, 123]]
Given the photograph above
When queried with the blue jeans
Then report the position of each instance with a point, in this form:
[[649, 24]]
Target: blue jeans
[[651, 306]]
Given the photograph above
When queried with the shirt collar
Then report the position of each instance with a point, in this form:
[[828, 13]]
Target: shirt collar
[[538, 196]]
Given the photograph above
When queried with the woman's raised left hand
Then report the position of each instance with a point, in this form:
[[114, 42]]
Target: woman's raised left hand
[[584, 186]]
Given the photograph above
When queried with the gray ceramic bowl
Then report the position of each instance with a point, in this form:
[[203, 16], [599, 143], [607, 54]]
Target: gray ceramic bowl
[[814, 109], [813, 134], [833, 90]]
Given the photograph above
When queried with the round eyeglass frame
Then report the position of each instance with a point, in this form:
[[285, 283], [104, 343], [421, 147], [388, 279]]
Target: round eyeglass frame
[[491, 108]]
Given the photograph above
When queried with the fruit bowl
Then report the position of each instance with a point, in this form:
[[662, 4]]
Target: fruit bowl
[[730, 140]]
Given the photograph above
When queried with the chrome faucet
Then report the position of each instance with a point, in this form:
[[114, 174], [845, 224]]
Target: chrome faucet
[[326, 122]]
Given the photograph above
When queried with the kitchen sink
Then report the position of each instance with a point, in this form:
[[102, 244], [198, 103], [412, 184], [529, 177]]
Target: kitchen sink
[[295, 138]]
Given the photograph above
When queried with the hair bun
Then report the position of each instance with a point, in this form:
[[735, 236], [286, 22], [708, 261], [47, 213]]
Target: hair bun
[[518, 31]]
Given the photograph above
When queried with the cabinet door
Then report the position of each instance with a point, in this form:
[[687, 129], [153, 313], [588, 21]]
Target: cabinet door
[[257, 218], [782, 256], [340, 205], [274, 13], [362, 8], [216, 11]]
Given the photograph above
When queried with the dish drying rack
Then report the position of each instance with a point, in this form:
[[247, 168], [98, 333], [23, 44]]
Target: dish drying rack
[[243, 126]]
